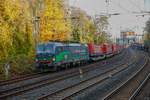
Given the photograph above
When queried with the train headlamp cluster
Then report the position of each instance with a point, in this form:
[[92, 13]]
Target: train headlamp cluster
[[53, 59]]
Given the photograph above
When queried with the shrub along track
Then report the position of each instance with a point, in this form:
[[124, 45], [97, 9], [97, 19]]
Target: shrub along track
[[17, 90], [125, 90], [68, 92]]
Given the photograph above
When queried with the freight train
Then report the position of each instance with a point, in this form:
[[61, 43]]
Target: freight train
[[56, 55]]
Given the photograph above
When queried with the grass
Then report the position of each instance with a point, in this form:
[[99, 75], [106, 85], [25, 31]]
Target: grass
[[19, 65]]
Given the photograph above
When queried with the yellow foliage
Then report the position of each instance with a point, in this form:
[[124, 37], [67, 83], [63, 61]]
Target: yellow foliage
[[5, 39], [15, 27], [53, 25], [46, 35]]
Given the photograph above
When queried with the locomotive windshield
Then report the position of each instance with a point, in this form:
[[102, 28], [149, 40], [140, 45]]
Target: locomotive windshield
[[45, 48]]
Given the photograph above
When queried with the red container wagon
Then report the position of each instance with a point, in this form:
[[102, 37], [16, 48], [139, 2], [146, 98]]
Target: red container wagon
[[119, 48], [107, 49], [115, 49], [95, 52]]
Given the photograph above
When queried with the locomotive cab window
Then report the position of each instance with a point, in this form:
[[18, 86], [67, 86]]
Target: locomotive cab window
[[59, 49], [49, 48], [45, 48]]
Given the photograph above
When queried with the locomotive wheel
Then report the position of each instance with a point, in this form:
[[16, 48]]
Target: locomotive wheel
[[56, 68], [71, 64]]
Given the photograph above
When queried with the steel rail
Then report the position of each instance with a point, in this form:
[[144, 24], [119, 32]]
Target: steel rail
[[25, 77], [140, 87], [5, 95], [29, 76], [124, 83], [106, 75]]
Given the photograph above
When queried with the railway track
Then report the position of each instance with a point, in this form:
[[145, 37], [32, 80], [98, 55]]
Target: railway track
[[139, 91], [36, 75], [19, 90], [21, 78], [99, 90], [127, 88], [69, 91], [76, 88]]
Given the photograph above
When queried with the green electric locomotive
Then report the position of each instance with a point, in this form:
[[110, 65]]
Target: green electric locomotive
[[55, 55]]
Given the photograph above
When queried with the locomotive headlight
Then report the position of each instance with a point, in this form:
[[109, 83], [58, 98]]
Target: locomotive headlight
[[36, 60], [53, 59]]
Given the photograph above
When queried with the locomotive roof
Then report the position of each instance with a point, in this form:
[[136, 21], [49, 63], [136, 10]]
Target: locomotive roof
[[56, 43], [63, 44], [77, 44]]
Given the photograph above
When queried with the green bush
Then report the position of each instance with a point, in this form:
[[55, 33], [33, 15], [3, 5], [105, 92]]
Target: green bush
[[19, 65]]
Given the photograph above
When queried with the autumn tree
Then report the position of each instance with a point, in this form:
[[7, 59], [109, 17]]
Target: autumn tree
[[16, 41], [5, 40], [101, 23], [83, 28], [15, 26], [53, 23]]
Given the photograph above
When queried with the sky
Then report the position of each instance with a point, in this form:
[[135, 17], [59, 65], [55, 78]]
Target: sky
[[147, 5], [127, 20]]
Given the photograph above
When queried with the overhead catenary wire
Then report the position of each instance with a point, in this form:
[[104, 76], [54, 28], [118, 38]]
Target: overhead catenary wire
[[135, 5], [130, 11], [120, 6]]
